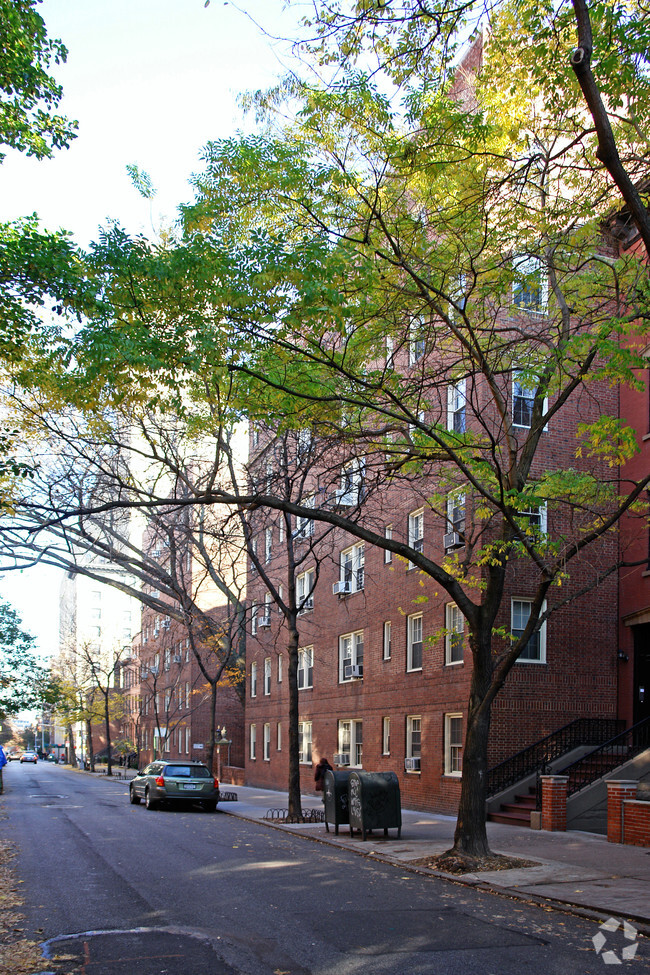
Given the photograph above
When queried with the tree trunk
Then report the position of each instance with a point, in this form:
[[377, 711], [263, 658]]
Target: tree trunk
[[89, 739], [72, 754], [107, 722], [213, 725], [471, 833], [294, 797]]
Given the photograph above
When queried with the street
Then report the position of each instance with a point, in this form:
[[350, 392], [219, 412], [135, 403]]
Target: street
[[114, 888]]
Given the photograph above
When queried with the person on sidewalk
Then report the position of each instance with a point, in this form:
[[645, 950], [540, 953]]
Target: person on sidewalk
[[3, 762], [319, 775]]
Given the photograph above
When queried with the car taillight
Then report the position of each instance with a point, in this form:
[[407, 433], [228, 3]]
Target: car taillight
[[159, 780], [216, 783]]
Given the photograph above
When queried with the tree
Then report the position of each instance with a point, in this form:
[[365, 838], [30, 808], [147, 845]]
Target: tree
[[25, 682]]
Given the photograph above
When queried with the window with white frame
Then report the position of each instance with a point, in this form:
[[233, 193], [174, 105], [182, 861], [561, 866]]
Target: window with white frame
[[304, 442], [252, 746], [388, 555], [268, 545], [187, 650], [305, 668], [187, 741], [414, 642], [167, 659], [454, 635], [253, 549], [385, 735], [456, 406], [388, 640], [535, 649], [523, 400], [266, 616], [390, 352], [454, 744], [253, 679], [267, 676], [279, 670], [281, 530], [304, 742], [305, 583], [350, 740], [266, 742], [304, 526], [416, 529], [352, 569], [253, 620], [417, 341], [187, 695], [534, 519], [351, 656], [413, 736], [530, 285], [352, 478], [456, 512], [278, 742], [168, 699]]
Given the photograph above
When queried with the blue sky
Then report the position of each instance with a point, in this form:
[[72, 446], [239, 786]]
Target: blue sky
[[150, 82]]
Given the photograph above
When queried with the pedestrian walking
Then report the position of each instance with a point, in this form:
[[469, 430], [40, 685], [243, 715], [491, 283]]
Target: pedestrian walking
[[319, 774], [3, 762]]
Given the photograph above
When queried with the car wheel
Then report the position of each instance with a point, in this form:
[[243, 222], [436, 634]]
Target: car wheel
[[148, 801], [133, 799], [210, 806]]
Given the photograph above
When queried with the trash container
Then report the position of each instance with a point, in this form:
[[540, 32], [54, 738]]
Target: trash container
[[375, 802], [335, 797]]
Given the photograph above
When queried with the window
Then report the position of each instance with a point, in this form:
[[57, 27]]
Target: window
[[187, 651], [279, 670], [253, 680], [168, 700], [456, 512], [252, 748], [305, 583], [281, 530], [187, 695], [304, 441], [390, 352], [414, 643], [350, 739], [413, 737], [454, 744], [456, 403], [388, 640], [167, 658], [305, 668], [352, 574], [279, 737], [535, 649], [187, 741], [417, 343], [530, 286], [266, 742], [267, 675], [253, 620], [266, 618], [268, 545], [351, 656], [455, 627], [385, 736], [304, 742], [253, 548], [255, 433], [388, 556], [304, 526], [351, 490], [534, 518], [416, 529], [523, 400]]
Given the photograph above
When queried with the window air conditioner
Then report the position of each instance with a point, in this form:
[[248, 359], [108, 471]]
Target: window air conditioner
[[265, 621], [411, 764], [341, 587], [154, 671], [353, 671], [452, 540], [342, 758], [177, 658]]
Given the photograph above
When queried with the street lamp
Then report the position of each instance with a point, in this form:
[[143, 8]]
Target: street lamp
[[222, 740]]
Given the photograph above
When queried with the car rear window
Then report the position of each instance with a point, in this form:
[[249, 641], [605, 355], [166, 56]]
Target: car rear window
[[187, 772]]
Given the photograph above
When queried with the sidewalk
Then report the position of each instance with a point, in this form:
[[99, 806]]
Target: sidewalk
[[580, 870]]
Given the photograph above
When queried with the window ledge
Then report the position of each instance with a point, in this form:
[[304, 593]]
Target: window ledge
[[414, 670], [454, 663]]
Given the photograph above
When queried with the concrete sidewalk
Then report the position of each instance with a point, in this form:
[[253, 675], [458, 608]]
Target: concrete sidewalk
[[580, 870]]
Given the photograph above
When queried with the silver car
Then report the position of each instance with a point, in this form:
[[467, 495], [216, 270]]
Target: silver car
[[169, 782]]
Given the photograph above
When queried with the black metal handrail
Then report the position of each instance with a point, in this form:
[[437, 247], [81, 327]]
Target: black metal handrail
[[607, 757], [582, 731]]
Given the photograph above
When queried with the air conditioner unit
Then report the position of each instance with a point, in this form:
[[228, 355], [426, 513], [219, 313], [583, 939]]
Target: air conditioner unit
[[265, 621], [411, 764], [341, 587], [342, 758], [177, 658], [154, 671], [452, 540], [353, 671]]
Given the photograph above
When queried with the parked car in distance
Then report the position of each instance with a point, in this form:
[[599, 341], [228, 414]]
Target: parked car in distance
[[175, 782], [12, 756], [29, 757]]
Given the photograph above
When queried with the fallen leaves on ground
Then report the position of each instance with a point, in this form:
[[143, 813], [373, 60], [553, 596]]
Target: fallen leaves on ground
[[457, 863], [18, 956]]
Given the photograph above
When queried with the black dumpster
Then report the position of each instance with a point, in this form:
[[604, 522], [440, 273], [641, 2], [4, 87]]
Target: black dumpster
[[336, 799], [375, 802]]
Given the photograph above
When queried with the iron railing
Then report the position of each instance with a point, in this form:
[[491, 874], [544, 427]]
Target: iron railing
[[607, 757], [535, 758]]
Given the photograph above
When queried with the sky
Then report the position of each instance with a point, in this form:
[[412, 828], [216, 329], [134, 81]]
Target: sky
[[150, 82]]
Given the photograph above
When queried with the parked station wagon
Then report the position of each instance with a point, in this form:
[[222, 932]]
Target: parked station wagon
[[173, 782]]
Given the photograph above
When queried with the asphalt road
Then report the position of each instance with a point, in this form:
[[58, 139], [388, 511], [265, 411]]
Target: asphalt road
[[115, 889]]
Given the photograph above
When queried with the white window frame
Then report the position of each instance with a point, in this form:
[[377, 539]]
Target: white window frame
[[187, 740], [305, 668], [267, 676], [266, 742], [252, 742], [254, 679], [527, 393], [305, 584], [456, 503], [538, 512], [413, 736], [278, 738], [531, 267], [351, 491], [541, 633], [268, 545], [388, 555], [454, 629], [254, 619], [279, 669], [416, 529], [305, 526], [453, 750], [351, 649], [353, 567], [457, 406], [385, 735], [304, 742], [350, 740], [414, 628], [387, 642], [417, 342]]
